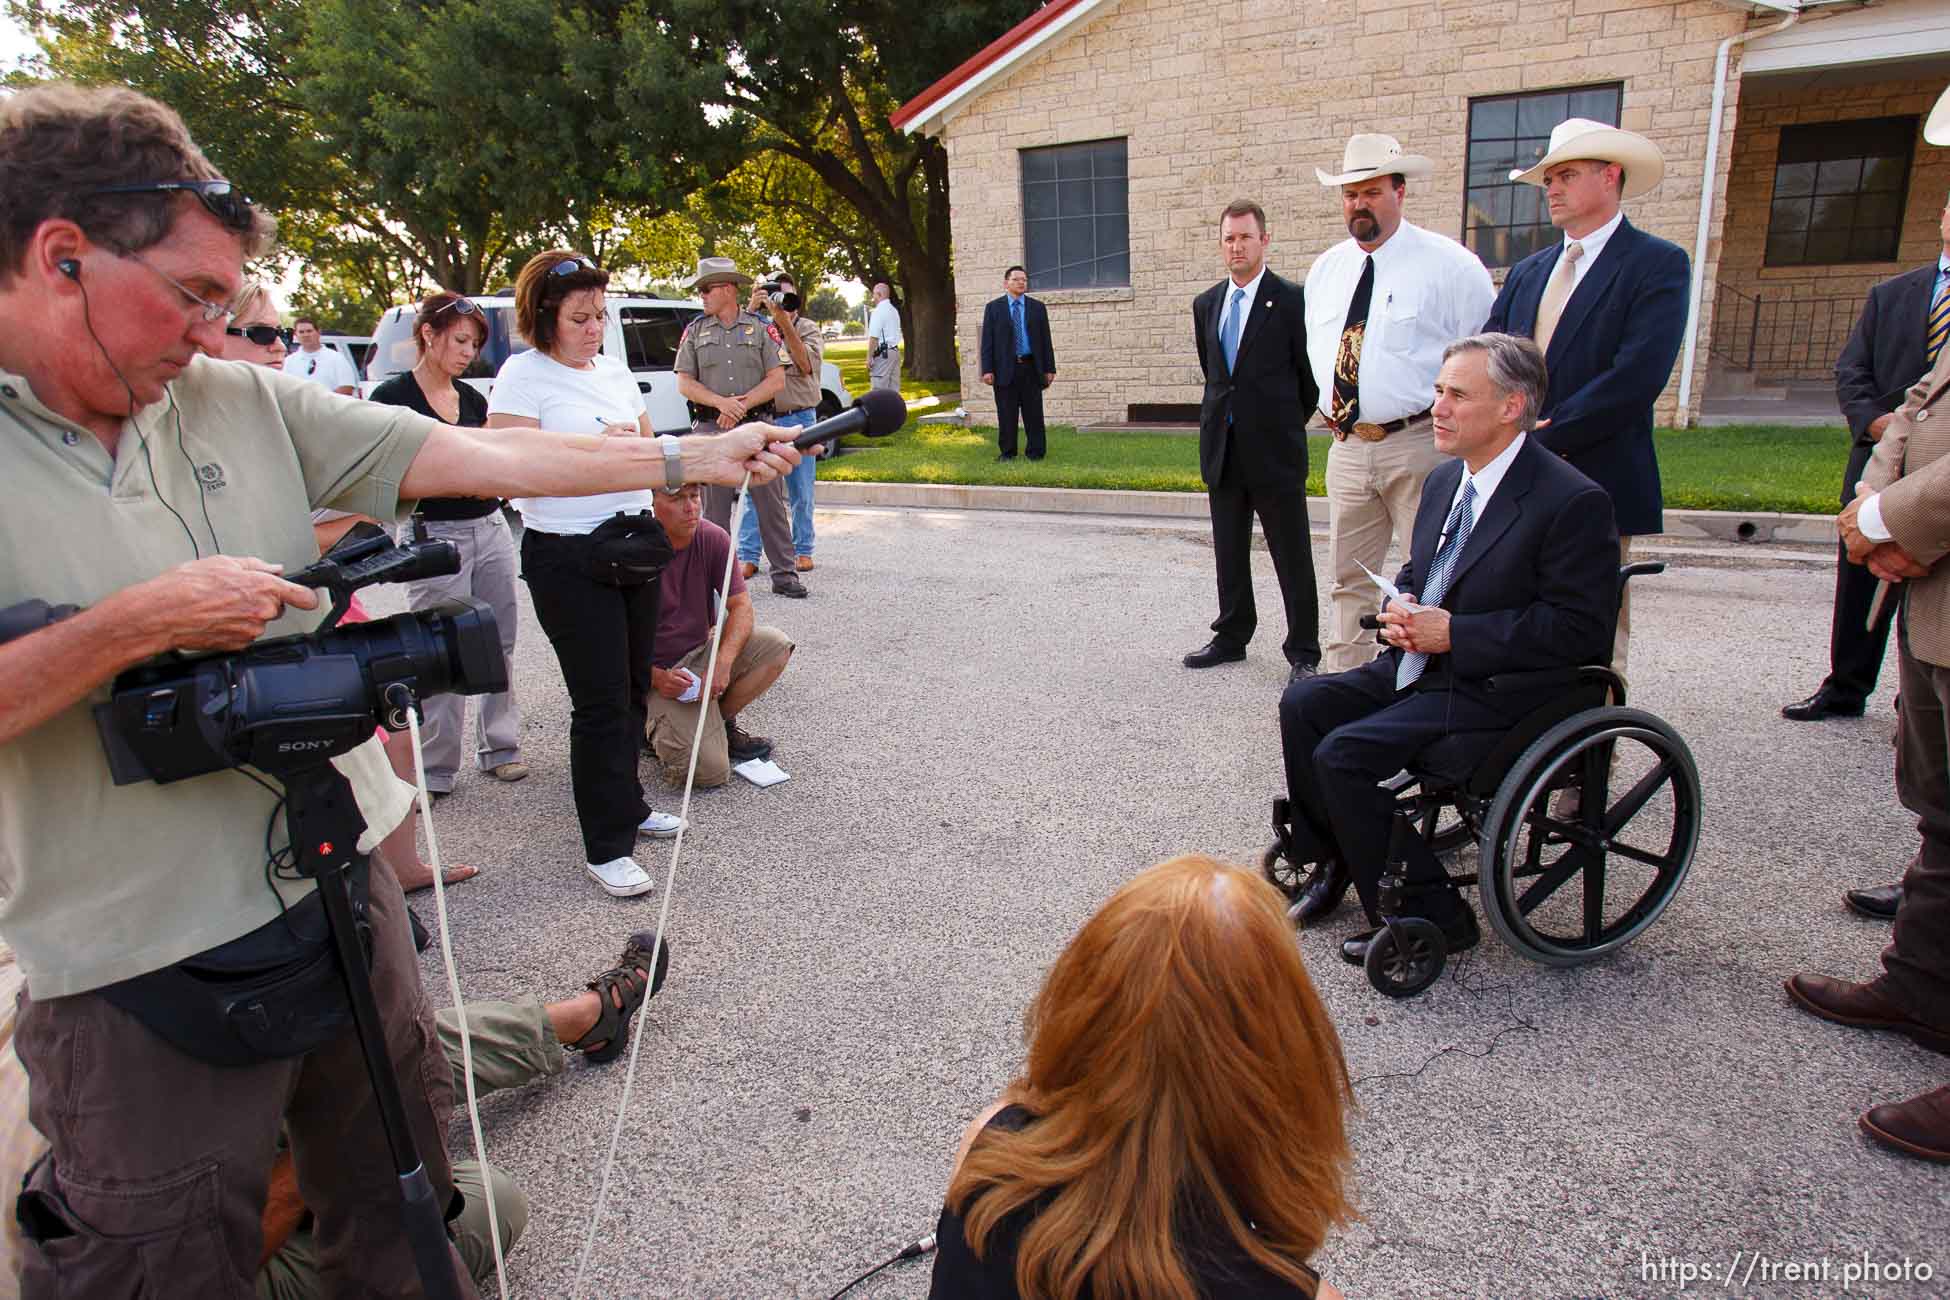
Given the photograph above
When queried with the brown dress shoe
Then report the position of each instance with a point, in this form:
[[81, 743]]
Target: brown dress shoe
[[1862, 1006], [1918, 1127], [803, 563], [746, 569]]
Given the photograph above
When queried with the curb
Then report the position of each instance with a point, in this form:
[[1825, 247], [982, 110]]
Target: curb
[[1719, 525]]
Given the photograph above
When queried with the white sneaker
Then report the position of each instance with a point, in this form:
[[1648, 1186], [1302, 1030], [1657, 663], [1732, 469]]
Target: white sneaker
[[660, 826], [621, 877]]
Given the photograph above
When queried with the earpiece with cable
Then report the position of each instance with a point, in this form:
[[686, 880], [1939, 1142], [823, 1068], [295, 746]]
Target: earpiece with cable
[[69, 267]]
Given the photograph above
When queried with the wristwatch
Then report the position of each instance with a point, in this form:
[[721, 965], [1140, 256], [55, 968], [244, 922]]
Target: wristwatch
[[673, 460]]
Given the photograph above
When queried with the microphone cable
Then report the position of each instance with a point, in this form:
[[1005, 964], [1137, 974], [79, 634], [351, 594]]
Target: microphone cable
[[912, 1250]]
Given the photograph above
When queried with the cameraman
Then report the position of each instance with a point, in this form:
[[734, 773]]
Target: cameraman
[[798, 403], [165, 492]]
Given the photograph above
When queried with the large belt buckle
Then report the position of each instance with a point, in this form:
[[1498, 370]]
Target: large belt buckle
[[1367, 432]]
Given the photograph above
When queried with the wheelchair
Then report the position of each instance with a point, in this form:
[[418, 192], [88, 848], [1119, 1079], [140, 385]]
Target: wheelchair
[[1562, 890]]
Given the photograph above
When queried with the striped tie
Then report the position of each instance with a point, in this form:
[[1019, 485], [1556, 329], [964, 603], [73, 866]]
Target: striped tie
[[1455, 536], [1939, 326]]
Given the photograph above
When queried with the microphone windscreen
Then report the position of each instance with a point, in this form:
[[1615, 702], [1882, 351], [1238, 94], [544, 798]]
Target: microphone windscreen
[[886, 411]]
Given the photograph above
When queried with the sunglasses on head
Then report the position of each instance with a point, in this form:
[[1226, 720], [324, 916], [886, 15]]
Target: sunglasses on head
[[262, 335], [219, 197], [572, 265], [460, 307]]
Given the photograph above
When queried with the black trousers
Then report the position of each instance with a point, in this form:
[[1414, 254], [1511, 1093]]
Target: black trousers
[[1856, 651], [1283, 518], [1342, 735], [603, 638], [1023, 393]]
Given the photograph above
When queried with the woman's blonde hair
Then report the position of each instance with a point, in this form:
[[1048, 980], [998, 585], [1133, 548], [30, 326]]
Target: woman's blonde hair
[[1182, 1075]]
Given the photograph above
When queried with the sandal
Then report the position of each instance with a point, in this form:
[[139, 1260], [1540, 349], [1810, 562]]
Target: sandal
[[622, 983]]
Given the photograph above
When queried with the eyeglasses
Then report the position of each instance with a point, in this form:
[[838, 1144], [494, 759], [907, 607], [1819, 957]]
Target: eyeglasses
[[262, 335], [572, 265], [210, 311], [460, 307], [219, 197]]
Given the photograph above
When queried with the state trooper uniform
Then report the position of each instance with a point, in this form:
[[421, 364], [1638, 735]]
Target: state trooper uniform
[[731, 360]]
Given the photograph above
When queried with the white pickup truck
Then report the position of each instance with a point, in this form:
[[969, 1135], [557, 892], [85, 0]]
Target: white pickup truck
[[643, 331]]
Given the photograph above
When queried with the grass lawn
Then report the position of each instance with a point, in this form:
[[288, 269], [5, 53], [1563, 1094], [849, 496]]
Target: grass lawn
[[1738, 467], [850, 355]]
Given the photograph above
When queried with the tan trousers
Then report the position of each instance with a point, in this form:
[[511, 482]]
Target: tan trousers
[[673, 725], [1373, 490]]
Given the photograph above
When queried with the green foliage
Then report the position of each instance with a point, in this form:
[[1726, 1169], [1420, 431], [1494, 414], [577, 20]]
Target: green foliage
[[827, 305]]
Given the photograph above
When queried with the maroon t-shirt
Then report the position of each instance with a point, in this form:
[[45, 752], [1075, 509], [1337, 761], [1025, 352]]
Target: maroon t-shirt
[[690, 593]]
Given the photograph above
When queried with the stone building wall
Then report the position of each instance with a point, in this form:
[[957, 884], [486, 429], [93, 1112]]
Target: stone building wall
[[1225, 98]]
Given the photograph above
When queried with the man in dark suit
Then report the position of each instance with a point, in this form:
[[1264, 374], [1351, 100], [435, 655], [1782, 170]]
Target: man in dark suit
[[1607, 304], [1515, 562], [1251, 333], [1018, 361], [1884, 355]]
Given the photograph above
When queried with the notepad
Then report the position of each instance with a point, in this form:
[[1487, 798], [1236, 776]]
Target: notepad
[[761, 772]]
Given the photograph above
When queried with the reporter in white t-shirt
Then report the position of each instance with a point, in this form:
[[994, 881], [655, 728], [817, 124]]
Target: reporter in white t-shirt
[[314, 362], [602, 633]]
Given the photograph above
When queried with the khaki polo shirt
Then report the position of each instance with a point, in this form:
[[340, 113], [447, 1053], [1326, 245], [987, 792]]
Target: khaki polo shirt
[[802, 390], [99, 882], [727, 359]]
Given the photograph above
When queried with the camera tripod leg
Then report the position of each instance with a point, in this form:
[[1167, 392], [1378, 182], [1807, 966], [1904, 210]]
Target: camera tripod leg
[[426, 1225]]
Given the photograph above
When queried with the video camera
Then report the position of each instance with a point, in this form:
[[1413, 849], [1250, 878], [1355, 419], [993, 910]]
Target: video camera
[[780, 295], [296, 701]]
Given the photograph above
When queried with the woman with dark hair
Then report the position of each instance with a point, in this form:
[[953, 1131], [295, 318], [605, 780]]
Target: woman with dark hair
[[447, 333], [602, 632], [1179, 1130]]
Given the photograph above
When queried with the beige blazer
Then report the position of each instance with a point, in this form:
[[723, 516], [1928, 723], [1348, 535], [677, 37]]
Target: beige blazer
[[1911, 469]]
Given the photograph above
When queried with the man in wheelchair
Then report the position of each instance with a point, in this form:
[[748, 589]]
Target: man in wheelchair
[[1514, 568]]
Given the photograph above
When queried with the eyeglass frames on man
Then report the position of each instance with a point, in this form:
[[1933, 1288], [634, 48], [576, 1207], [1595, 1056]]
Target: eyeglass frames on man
[[210, 311], [218, 196]]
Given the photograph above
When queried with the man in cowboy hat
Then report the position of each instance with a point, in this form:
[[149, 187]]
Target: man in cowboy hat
[[729, 369], [1381, 306], [1607, 304], [1896, 527]]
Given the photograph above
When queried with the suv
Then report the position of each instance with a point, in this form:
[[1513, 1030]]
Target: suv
[[353, 347], [643, 331]]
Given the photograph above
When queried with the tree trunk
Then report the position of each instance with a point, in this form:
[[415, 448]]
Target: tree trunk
[[928, 323]]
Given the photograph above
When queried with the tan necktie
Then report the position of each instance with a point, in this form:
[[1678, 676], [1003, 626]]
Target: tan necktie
[[1556, 294]]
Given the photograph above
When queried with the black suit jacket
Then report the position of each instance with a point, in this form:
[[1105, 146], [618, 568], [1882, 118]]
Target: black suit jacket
[[1884, 353], [1536, 585], [1267, 396], [1609, 359], [999, 339]]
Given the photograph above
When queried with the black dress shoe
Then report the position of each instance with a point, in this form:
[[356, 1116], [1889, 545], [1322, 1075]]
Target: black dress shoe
[[1321, 894], [1007, 455], [786, 584], [1824, 703], [1876, 904], [1463, 937], [1214, 653], [1301, 671]]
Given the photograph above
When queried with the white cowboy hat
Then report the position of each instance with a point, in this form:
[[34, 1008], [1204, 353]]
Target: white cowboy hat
[[1368, 156], [1580, 137], [717, 270], [1936, 129]]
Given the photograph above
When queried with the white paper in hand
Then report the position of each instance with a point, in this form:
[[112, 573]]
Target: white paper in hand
[[1388, 588], [690, 692], [761, 772]]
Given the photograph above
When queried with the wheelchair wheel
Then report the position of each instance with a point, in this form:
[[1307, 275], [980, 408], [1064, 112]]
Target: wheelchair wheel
[[1404, 971], [1627, 850], [1283, 873], [1447, 829]]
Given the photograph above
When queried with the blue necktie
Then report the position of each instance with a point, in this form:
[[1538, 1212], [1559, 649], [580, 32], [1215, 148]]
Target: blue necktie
[[1937, 328], [1229, 328], [1455, 536], [1022, 335]]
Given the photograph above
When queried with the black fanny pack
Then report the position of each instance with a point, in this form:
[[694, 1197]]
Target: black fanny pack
[[628, 550], [264, 996]]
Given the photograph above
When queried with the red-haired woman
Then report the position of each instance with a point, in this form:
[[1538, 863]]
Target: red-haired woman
[[448, 332], [1178, 1132]]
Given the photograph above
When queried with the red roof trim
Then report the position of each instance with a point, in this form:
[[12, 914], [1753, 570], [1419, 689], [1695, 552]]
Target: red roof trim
[[990, 54]]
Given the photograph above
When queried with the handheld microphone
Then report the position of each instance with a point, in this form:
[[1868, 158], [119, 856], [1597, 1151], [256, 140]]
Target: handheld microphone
[[876, 414]]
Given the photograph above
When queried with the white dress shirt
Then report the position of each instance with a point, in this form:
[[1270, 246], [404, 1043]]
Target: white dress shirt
[[1594, 244], [1428, 291], [884, 323], [1245, 306], [1486, 479]]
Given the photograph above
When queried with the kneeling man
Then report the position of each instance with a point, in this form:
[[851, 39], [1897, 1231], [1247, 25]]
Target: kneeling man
[[1513, 568], [749, 660]]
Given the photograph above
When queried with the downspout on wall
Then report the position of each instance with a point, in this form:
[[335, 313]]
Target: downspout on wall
[[1684, 416]]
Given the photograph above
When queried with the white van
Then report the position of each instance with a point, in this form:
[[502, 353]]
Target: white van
[[643, 331]]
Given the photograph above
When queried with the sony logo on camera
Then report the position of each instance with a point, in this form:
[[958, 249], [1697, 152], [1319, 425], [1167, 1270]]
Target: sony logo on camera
[[303, 746]]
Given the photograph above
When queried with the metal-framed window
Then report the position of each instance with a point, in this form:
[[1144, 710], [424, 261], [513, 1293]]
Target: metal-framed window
[[1504, 222], [1076, 222], [1839, 192]]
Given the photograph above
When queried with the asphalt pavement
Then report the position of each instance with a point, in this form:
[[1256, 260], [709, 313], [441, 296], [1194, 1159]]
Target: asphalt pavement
[[988, 730]]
